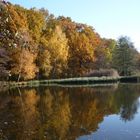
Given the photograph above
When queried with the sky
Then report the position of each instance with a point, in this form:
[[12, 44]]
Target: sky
[[110, 18]]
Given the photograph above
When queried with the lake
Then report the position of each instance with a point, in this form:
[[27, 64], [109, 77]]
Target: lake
[[110, 112]]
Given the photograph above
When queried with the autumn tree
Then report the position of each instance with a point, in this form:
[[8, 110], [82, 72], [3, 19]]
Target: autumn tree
[[58, 49], [12, 24], [80, 55], [44, 62], [82, 41], [103, 54], [40, 45], [36, 23], [22, 64], [3, 33], [17, 42], [4, 73]]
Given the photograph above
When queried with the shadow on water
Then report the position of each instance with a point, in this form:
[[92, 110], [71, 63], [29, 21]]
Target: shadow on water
[[56, 113]]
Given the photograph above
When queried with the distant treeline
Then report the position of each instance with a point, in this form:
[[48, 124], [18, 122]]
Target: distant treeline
[[37, 45]]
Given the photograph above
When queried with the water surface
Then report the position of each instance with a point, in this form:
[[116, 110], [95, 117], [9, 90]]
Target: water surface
[[71, 113]]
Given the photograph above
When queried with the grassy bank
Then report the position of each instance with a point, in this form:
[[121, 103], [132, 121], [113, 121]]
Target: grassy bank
[[74, 81], [130, 79], [68, 81], [4, 85]]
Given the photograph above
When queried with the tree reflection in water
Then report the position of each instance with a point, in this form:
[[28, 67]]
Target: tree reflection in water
[[63, 113]]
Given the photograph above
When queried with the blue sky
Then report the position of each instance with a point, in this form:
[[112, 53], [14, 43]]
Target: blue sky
[[110, 18]]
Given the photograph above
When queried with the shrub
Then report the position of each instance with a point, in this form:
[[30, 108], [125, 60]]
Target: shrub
[[103, 72]]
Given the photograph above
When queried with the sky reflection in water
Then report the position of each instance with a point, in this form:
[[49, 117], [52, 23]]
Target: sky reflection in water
[[82, 113]]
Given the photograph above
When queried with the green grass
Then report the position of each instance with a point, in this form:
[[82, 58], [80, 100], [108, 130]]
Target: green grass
[[68, 81], [80, 81]]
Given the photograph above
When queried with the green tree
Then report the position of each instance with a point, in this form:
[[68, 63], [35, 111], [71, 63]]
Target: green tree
[[124, 56]]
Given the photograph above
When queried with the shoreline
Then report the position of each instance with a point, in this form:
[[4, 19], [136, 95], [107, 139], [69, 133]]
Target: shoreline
[[67, 81], [81, 81]]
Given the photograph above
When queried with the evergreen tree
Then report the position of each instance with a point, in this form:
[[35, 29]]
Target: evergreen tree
[[124, 56]]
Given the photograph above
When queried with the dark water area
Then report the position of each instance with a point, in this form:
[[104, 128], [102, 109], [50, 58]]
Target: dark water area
[[71, 113]]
